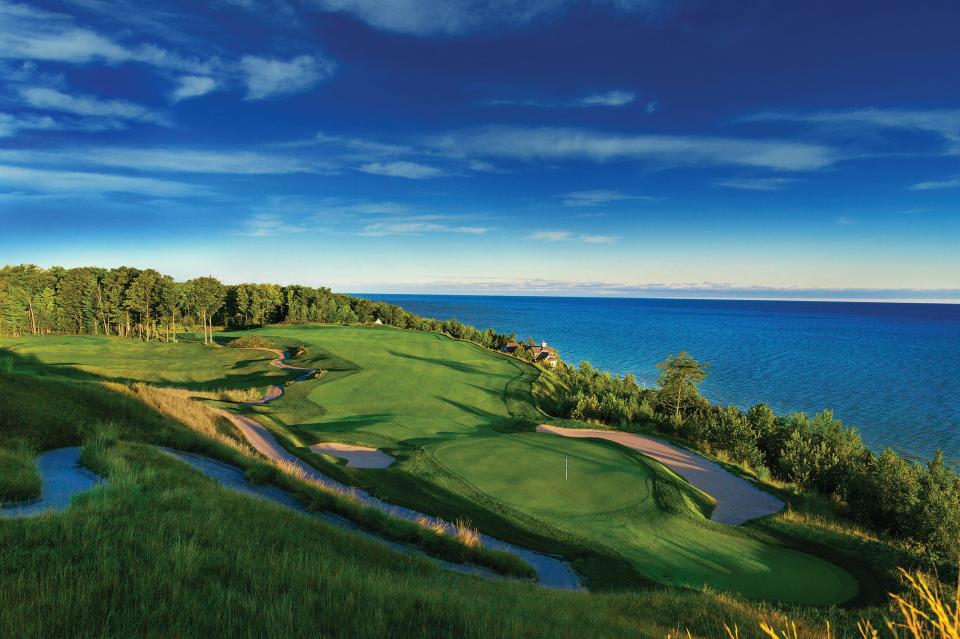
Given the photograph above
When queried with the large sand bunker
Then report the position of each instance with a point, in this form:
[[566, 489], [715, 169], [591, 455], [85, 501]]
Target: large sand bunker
[[356, 456]]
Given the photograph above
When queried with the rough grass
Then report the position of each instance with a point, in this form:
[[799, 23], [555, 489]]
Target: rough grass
[[19, 479]]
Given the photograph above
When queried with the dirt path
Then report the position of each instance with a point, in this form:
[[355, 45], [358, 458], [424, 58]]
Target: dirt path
[[63, 477], [738, 500]]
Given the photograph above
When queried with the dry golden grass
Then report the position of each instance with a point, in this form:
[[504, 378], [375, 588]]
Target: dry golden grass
[[826, 523], [436, 526], [178, 405], [467, 536]]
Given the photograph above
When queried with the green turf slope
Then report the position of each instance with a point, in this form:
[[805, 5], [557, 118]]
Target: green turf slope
[[186, 364], [612, 498], [454, 400]]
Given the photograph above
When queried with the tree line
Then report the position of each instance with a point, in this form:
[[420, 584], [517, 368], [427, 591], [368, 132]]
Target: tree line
[[917, 503], [148, 305]]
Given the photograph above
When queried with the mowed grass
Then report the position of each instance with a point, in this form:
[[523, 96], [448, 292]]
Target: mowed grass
[[404, 385], [187, 364], [612, 498], [458, 403], [162, 551]]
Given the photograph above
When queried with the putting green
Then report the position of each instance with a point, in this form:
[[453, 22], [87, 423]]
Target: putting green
[[608, 498]]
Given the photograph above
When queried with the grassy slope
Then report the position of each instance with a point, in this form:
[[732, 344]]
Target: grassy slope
[[187, 364], [162, 551], [445, 400]]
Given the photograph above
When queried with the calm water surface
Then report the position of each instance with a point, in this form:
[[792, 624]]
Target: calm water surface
[[892, 370]]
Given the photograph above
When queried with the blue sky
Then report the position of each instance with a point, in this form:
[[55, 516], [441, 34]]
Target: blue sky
[[615, 147]]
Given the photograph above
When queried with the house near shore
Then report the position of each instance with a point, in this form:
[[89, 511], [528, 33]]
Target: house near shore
[[542, 354]]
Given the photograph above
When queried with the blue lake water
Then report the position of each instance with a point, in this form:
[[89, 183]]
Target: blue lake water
[[891, 370]]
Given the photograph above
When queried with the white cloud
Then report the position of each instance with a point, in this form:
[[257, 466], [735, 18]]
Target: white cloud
[[843, 220], [83, 182], [409, 170], [268, 225], [942, 122], [193, 86], [415, 227], [551, 236], [598, 239], [952, 183], [271, 77], [597, 198], [53, 100], [609, 99], [446, 17], [757, 184], [11, 124], [567, 236], [616, 98], [169, 160], [553, 144], [652, 107], [28, 33]]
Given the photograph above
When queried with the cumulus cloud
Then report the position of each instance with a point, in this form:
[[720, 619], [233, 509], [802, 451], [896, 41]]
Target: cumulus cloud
[[272, 77], [42, 180], [554, 144], [193, 86], [409, 170], [449, 17], [54, 100]]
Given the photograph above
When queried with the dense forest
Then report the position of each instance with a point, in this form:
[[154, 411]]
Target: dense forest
[[145, 304]]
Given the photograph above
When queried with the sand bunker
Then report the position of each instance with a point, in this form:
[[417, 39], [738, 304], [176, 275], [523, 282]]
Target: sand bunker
[[356, 456], [737, 499]]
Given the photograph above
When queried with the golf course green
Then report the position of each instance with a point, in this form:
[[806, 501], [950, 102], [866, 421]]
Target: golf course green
[[468, 414], [461, 405]]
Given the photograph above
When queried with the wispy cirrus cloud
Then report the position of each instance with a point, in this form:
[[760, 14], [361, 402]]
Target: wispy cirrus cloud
[[84, 105], [757, 184], [272, 77], [576, 199], [169, 160], [402, 169], [449, 17], [77, 182], [555, 144], [941, 122], [569, 236], [950, 183], [418, 227], [269, 225], [30, 33], [615, 98]]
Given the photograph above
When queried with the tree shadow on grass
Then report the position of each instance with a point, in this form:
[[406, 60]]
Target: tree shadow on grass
[[452, 364]]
